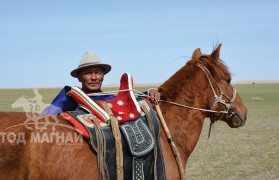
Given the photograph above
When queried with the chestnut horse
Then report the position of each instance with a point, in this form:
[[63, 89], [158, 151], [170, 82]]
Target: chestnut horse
[[199, 89]]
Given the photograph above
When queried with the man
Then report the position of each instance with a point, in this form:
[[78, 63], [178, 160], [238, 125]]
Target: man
[[90, 73]]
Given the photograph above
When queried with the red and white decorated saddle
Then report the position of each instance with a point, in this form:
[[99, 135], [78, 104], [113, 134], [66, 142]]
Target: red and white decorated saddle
[[124, 106]]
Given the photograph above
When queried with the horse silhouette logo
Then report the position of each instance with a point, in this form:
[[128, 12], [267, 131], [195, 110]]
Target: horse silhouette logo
[[32, 108]]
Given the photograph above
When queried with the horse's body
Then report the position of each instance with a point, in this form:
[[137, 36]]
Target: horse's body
[[189, 86]]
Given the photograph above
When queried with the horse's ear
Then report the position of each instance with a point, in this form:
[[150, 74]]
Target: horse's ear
[[197, 54], [216, 52]]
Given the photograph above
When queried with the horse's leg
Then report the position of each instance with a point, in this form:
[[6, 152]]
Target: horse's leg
[[171, 167]]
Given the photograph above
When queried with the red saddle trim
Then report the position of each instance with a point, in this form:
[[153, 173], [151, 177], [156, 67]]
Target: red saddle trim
[[78, 126]]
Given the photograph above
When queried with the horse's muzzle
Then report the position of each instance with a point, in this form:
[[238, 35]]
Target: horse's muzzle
[[236, 120]]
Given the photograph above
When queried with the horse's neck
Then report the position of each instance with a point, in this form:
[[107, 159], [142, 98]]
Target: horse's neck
[[186, 124]]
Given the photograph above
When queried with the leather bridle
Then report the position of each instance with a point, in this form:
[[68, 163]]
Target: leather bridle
[[219, 99]]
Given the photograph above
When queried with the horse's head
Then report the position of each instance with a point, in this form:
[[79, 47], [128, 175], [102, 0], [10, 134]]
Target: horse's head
[[220, 94], [22, 102]]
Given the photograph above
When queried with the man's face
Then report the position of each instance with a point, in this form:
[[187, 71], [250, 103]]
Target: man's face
[[91, 79]]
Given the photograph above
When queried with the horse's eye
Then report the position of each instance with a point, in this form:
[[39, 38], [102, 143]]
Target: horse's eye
[[229, 80]]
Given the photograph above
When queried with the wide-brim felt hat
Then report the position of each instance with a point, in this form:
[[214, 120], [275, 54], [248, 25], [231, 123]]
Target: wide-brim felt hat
[[90, 59]]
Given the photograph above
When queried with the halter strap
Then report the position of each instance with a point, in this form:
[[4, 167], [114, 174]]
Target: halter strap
[[218, 99]]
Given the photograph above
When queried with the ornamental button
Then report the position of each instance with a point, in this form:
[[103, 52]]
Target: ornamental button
[[131, 115], [110, 105], [119, 118], [120, 102]]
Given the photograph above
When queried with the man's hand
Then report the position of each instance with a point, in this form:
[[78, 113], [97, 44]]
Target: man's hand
[[154, 94]]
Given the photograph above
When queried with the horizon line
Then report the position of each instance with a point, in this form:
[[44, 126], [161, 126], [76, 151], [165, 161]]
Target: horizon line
[[158, 84]]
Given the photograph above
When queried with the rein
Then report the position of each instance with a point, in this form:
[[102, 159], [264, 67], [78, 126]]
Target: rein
[[218, 99]]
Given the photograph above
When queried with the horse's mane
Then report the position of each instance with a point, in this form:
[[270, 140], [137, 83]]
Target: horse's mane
[[170, 88]]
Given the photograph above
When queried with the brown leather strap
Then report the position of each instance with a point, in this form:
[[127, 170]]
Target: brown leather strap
[[118, 141], [150, 124], [101, 144]]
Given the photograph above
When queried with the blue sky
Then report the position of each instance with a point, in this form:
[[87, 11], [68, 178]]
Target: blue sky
[[42, 41]]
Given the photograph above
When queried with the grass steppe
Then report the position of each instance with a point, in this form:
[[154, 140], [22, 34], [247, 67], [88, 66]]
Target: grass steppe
[[249, 152]]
